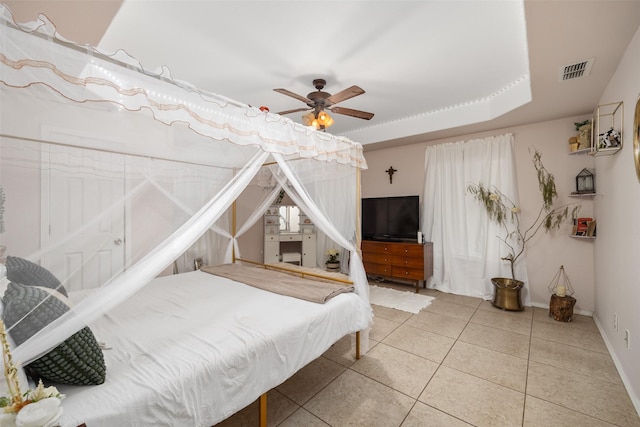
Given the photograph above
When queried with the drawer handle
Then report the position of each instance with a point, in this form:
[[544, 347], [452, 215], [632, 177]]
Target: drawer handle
[[385, 249], [406, 272]]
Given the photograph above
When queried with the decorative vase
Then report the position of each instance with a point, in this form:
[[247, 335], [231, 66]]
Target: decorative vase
[[333, 266], [507, 294]]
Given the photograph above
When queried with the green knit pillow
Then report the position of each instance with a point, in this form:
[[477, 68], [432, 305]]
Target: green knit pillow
[[23, 271], [78, 360]]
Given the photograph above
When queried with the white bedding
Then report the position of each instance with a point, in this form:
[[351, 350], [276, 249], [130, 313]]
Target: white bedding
[[193, 349]]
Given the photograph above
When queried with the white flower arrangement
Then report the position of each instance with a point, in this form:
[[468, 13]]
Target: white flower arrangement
[[35, 408], [333, 255]]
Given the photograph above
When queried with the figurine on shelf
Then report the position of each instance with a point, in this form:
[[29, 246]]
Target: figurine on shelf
[[609, 139]]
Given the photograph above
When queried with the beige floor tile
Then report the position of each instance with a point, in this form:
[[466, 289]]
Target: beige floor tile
[[578, 321], [310, 380], [568, 333], [422, 415], [590, 396], [514, 321], [355, 400], [507, 342], [499, 368], [486, 305], [586, 362], [397, 369], [461, 299], [382, 327], [344, 352], [539, 413], [390, 313], [431, 292], [420, 342], [302, 417], [462, 312], [474, 400], [278, 409], [438, 323]]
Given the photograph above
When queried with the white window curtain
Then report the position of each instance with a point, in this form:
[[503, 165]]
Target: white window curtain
[[467, 250]]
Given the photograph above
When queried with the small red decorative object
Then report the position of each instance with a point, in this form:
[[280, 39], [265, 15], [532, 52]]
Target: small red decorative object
[[263, 108]]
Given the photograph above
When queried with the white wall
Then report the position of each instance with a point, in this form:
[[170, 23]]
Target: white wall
[[605, 271], [616, 250], [545, 252]]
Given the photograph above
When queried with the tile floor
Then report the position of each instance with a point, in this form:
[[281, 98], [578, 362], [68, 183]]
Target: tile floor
[[458, 362]]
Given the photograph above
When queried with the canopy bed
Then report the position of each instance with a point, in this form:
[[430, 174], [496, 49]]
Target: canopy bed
[[111, 175]]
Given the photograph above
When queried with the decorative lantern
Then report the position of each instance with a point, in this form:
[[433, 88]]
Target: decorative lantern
[[561, 303], [585, 182]]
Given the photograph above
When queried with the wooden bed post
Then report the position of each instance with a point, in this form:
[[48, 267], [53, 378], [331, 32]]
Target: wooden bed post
[[263, 410], [357, 345], [358, 213], [233, 231]]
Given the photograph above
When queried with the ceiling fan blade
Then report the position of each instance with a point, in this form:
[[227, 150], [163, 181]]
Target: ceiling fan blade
[[282, 113], [355, 113], [294, 95], [343, 95]]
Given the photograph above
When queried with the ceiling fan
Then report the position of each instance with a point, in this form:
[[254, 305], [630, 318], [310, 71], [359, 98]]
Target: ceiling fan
[[320, 101]]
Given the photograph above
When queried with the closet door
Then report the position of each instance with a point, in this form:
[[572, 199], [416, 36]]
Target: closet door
[[80, 225]]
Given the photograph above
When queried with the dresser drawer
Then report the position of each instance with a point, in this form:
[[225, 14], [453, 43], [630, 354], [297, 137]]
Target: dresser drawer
[[407, 250], [381, 269], [292, 237], [376, 247], [376, 258], [407, 273], [407, 262]]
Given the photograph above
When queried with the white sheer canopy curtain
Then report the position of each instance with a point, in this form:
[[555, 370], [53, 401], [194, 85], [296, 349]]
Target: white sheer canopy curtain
[[168, 158], [466, 248], [332, 208]]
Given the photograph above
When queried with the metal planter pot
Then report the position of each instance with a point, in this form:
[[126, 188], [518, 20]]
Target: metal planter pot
[[507, 294]]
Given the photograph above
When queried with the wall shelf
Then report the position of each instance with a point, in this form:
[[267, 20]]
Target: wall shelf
[[583, 196], [582, 237], [581, 151], [606, 118]]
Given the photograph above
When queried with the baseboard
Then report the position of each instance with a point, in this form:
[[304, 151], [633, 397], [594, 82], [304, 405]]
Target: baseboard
[[580, 312], [625, 380]]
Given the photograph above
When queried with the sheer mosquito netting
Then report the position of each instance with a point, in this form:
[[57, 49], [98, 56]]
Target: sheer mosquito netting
[[112, 175]]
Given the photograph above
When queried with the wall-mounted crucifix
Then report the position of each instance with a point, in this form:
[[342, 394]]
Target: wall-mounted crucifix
[[391, 171]]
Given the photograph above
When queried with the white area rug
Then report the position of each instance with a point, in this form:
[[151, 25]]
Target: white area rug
[[405, 301]]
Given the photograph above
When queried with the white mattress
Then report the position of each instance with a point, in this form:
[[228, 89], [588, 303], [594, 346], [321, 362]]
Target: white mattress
[[193, 349]]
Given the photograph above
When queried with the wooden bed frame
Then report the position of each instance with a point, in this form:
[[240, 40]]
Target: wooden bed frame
[[262, 404]]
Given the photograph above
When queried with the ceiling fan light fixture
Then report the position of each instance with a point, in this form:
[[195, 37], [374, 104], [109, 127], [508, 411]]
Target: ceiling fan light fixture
[[308, 119], [324, 119]]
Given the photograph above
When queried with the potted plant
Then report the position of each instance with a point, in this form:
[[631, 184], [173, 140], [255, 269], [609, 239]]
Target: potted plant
[[503, 211], [584, 134], [332, 263]]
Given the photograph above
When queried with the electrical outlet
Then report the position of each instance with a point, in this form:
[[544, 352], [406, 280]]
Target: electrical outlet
[[627, 338], [615, 321]]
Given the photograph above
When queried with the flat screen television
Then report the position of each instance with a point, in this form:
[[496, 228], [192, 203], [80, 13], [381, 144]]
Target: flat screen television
[[390, 218]]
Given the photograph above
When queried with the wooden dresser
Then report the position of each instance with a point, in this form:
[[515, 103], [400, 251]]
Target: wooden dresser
[[399, 260]]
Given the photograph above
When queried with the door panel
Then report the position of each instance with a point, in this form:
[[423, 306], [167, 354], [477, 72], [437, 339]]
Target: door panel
[[79, 219]]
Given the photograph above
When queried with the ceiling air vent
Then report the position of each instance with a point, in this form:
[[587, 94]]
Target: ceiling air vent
[[575, 71]]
